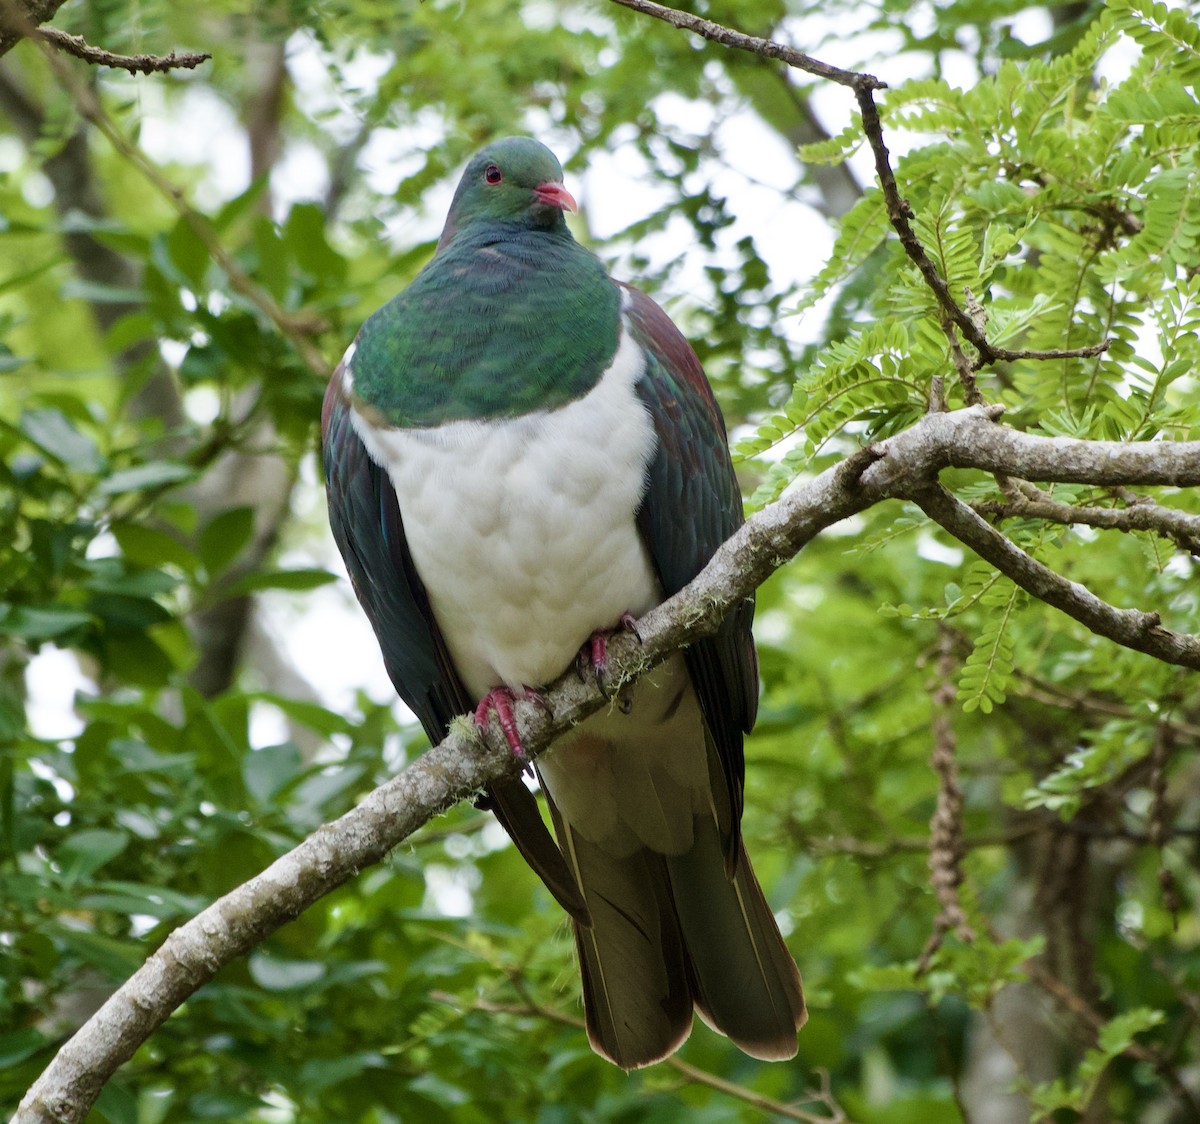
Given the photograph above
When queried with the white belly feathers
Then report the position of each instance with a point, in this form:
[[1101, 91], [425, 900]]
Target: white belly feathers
[[523, 529]]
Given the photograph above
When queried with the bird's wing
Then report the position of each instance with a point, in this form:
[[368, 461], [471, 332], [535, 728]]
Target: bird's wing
[[691, 505], [367, 526]]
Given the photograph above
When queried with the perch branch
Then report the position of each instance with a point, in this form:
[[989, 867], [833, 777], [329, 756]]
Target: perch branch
[[903, 466]]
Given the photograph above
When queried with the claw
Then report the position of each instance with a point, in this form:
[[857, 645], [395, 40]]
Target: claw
[[499, 700], [628, 623], [594, 653]]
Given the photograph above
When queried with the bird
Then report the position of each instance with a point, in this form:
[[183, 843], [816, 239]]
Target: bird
[[522, 455]]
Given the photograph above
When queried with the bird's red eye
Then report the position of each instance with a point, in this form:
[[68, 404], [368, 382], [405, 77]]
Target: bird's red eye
[[492, 174]]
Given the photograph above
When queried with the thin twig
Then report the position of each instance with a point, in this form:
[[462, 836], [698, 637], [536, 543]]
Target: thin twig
[[1092, 1020], [1160, 757], [963, 365], [1180, 527], [295, 327], [136, 64], [530, 1008], [1050, 695], [767, 48], [946, 847]]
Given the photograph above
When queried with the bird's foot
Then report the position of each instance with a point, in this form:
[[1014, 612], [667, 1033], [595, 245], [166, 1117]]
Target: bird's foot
[[499, 701], [593, 656]]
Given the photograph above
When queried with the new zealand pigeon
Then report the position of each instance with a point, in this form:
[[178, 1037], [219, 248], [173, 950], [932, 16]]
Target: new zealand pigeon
[[521, 452]]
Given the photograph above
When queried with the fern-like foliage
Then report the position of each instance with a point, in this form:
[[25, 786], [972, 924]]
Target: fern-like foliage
[[1068, 208]]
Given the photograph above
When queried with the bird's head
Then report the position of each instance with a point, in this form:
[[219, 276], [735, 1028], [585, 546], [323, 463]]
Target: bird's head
[[516, 180]]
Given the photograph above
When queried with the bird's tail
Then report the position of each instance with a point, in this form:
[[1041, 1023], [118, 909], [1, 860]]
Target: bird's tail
[[671, 931]]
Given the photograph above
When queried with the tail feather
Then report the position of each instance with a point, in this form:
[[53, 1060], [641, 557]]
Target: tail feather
[[744, 980], [637, 998], [651, 834], [670, 932]]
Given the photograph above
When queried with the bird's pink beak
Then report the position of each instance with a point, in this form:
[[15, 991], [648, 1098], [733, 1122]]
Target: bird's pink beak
[[555, 195]]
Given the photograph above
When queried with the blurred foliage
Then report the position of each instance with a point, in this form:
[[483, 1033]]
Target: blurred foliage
[[1051, 159]]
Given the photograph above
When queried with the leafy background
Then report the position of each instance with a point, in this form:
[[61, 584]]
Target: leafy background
[[166, 571]]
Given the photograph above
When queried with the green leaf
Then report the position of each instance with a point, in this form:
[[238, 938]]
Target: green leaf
[[58, 438], [295, 580], [148, 546], [224, 537], [19, 1045], [84, 852], [321, 1073], [319, 718], [43, 622], [97, 292], [276, 974], [140, 898], [268, 769], [142, 477]]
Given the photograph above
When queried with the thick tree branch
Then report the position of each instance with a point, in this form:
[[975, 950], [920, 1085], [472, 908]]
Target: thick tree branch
[[19, 17], [903, 466], [1131, 628]]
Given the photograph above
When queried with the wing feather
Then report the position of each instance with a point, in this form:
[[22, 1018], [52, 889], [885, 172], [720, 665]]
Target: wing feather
[[692, 504]]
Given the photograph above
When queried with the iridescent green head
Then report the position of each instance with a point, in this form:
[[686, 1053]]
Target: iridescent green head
[[517, 181]]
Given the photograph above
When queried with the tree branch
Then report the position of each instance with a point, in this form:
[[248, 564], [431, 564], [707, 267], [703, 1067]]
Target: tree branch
[[946, 844], [898, 210], [1131, 628], [767, 48], [901, 467], [1143, 514], [19, 17], [136, 64]]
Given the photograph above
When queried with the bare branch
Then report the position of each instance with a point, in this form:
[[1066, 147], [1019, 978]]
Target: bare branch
[[946, 843], [1131, 628], [1143, 514], [767, 48], [136, 64], [1160, 756]]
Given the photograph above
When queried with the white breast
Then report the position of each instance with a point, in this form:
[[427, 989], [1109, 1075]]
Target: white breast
[[523, 529]]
